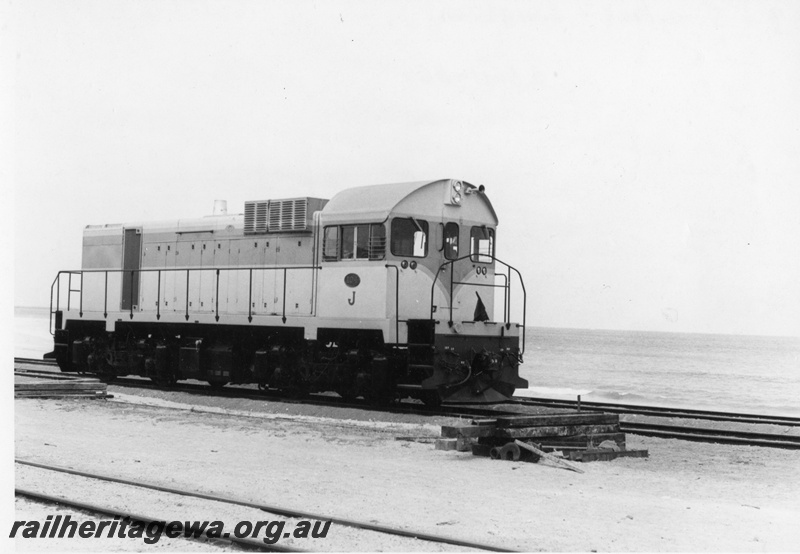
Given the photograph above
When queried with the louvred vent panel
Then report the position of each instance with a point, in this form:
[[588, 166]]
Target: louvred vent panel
[[255, 217], [274, 216]]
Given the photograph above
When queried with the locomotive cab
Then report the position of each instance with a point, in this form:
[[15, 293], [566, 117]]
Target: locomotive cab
[[420, 258]]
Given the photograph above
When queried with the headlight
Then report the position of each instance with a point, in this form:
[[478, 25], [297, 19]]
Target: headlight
[[454, 197]]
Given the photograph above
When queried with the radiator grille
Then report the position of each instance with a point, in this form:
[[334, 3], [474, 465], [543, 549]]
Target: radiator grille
[[255, 217], [273, 216]]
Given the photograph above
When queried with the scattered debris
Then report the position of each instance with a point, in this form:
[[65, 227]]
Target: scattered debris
[[546, 456], [580, 437]]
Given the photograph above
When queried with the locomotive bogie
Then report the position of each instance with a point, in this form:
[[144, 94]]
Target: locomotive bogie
[[381, 291]]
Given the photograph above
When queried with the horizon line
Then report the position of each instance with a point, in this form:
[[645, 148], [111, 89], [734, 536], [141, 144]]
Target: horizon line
[[593, 329]]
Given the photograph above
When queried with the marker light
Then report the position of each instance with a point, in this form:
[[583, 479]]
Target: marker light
[[456, 188]]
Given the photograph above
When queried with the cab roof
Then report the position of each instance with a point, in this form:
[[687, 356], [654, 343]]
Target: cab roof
[[418, 198]]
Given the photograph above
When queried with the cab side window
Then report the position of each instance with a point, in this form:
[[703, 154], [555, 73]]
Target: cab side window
[[409, 237], [354, 242], [450, 240], [330, 244], [377, 241], [481, 248]]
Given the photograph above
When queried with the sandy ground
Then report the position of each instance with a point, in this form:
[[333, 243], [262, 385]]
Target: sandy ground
[[685, 497], [27, 510], [167, 507]]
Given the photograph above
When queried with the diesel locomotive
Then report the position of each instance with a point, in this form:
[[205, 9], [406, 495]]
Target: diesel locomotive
[[383, 291]]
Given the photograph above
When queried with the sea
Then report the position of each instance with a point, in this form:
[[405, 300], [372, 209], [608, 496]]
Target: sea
[[734, 373]]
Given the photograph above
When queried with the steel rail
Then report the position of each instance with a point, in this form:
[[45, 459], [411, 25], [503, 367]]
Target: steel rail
[[721, 436], [461, 410], [658, 411], [277, 510], [655, 430], [239, 391], [35, 374], [36, 361], [249, 544], [639, 428], [275, 395]]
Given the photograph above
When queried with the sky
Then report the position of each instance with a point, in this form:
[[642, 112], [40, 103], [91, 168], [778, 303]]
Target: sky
[[643, 157]]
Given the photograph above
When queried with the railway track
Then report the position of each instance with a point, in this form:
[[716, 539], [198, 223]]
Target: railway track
[[656, 411], [35, 361], [245, 543], [249, 543], [719, 436], [251, 392], [516, 406]]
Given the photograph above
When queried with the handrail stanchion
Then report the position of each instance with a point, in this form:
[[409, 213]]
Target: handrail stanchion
[[132, 273], [50, 319], [105, 296], [433, 284], [509, 295], [397, 304], [250, 298], [187, 294], [284, 295], [217, 298], [524, 306], [158, 297], [56, 284], [505, 295], [450, 323], [69, 290]]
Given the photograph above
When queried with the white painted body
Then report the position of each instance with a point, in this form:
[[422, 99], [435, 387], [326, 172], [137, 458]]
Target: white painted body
[[262, 279]]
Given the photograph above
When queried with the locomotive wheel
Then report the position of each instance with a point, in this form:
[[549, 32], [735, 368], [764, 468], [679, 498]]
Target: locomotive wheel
[[106, 377], [379, 398], [164, 380], [100, 362], [378, 394], [347, 395], [431, 398], [296, 391]]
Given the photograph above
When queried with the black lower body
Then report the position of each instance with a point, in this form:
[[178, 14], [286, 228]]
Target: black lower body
[[467, 368], [351, 362]]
